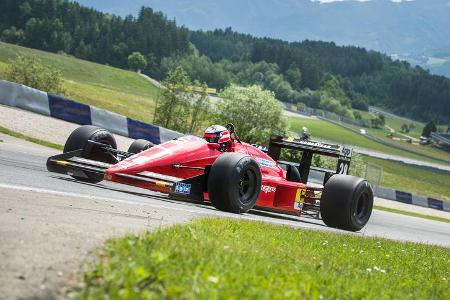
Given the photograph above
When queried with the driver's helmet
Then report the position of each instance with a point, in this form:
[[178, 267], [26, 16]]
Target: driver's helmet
[[217, 134]]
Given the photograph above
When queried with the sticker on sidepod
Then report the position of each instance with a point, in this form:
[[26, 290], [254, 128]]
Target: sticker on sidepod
[[299, 199], [183, 188], [266, 163], [268, 189]]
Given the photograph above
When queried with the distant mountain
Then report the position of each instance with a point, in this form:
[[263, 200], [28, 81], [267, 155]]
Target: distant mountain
[[418, 31]]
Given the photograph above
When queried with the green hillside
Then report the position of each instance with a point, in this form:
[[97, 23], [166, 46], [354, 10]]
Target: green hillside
[[114, 89]]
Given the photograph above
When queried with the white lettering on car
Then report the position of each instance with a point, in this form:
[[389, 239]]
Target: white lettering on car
[[266, 163], [268, 189]]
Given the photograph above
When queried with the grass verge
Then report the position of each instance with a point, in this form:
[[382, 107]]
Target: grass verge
[[231, 259], [30, 139], [415, 180], [117, 90], [412, 214]]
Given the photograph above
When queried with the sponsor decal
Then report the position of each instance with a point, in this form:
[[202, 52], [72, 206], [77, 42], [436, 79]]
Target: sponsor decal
[[346, 152], [183, 188], [268, 189], [261, 148], [266, 163], [299, 199], [316, 144]]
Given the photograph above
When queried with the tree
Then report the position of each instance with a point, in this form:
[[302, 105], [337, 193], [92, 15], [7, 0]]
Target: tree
[[256, 112], [200, 107], [294, 77], [382, 119], [183, 106], [404, 128], [13, 35], [428, 129], [378, 122], [173, 107], [136, 61], [29, 71]]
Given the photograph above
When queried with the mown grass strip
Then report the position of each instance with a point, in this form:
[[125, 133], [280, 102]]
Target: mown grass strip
[[120, 91], [412, 214], [412, 179], [232, 259], [30, 139]]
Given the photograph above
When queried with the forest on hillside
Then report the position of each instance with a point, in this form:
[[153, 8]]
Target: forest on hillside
[[313, 73]]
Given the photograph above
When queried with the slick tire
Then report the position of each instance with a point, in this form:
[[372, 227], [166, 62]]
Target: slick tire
[[234, 182], [139, 146], [346, 202], [79, 138]]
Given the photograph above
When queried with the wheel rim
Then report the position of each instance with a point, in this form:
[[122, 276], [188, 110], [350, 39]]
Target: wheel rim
[[247, 182], [362, 207], [98, 154]]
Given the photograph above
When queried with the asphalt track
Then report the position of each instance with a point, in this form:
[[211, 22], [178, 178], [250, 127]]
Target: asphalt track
[[22, 168]]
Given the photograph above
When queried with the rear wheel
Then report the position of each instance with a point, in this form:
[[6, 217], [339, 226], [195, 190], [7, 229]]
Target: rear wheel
[[346, 202], [139, 146], [234, 182], [79, 138]]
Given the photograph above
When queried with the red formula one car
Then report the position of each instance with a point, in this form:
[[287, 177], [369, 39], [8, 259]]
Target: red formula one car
[[232, 175]]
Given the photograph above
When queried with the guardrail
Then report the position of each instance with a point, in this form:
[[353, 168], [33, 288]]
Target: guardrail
[[441, 138], [17, 95], [408, 198]]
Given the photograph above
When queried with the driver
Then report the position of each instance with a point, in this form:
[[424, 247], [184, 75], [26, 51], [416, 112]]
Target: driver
[[218, 134]]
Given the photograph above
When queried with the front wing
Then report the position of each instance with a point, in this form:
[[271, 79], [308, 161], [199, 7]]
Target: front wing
[[71, 163]]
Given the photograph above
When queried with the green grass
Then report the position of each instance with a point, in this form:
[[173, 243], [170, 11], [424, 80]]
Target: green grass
[[416, 180], [30, 139], [332, 132], [3, 67], [428, 150], [131, 105], [118, 90], [412, 214], [396, 123], [229, 259]]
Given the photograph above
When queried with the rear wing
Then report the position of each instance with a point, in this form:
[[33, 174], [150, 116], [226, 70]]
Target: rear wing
[[308, 148]]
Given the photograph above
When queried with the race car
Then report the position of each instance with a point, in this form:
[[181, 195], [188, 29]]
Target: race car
[[232, 175]]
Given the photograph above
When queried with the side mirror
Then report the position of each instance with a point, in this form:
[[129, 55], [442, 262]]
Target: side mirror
[[214, 146]]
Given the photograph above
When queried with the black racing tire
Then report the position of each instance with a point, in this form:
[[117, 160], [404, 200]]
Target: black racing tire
[[139, 146], [234, 182], [346, 202], [79, 138]]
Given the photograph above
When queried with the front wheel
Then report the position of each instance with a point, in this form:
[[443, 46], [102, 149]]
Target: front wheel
[[79, 139], [346, 202], [139, 146], [234, 182]]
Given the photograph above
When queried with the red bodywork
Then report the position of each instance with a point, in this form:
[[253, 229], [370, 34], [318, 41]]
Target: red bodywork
[[189, 151]]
